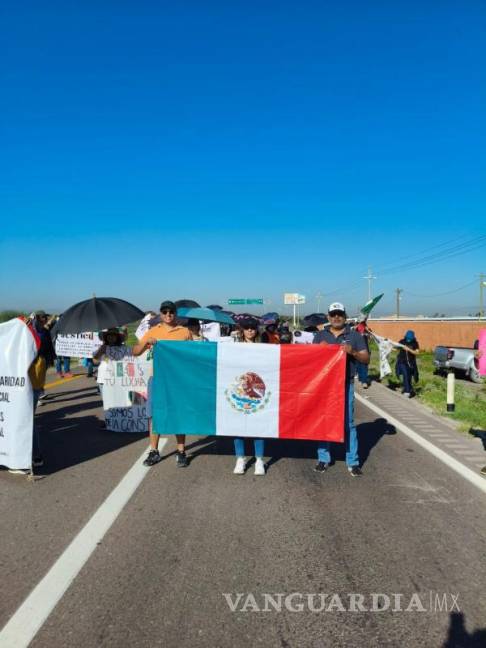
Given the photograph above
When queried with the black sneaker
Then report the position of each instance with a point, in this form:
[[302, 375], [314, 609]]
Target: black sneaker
[[483, 470], [38, 461], [181, 460], [355, 471], [321, 466], [152, 458]]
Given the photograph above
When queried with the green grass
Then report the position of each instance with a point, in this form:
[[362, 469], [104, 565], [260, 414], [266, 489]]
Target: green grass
[[432, 391]]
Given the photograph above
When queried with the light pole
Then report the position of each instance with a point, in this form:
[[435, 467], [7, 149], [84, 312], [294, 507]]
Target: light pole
[[398, 292], [370, 278], [482, 284]]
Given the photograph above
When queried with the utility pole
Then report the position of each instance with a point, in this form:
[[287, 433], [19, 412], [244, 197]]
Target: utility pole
[[398, 292], [319, 296], [482, 284], [370, 278]]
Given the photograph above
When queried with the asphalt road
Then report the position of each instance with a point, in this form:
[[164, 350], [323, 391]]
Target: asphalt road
[[409, 529]]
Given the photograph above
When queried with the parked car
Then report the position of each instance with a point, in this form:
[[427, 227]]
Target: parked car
[[456, 358]]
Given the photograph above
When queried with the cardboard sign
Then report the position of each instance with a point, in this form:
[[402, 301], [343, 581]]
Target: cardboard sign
[[127, 419]]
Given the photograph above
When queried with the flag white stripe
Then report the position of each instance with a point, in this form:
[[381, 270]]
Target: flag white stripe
[[234, 361]]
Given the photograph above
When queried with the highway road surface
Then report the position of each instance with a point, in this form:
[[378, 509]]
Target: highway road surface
[[200, 557]]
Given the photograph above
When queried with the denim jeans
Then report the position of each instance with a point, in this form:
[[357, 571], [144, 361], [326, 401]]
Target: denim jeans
[[36, 451], [362, 372], [63, 361], [350, 434], [259, 446], [406, 372], [89, 366]]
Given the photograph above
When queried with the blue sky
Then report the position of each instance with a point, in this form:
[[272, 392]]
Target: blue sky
[[212, 150]]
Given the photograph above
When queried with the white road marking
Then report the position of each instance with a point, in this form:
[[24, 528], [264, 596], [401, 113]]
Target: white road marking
[[22, 627], [465, 472]]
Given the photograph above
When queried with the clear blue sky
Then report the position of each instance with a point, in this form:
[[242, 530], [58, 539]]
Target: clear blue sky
[[241, 149]]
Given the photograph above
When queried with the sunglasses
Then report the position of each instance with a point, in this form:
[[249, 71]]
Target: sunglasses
[[167, 312], [337, 314]]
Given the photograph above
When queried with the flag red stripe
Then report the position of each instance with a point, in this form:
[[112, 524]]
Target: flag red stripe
[[312, 382]]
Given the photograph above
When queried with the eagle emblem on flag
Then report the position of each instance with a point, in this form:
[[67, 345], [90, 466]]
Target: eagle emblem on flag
[[248, 393]]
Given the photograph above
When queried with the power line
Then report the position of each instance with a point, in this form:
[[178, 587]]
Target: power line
[[444, 255], [421, 252], [448, 292]]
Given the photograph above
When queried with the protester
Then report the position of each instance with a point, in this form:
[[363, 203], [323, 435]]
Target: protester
[[340, 333], [406, 364], [89, 367], [37, 375], [167, 329], [63, 367], [248, 334], [284, 333], [195, 328], [361, 367], [271, 335], [113, 348]]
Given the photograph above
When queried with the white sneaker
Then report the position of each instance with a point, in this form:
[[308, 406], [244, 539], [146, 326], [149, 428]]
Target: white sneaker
[[259, 466], [240, 466], [19, 471]]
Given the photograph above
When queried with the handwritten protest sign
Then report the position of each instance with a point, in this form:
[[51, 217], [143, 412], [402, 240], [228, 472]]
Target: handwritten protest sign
[[482, 348], [79, 345], [127, 419], [122, 377]]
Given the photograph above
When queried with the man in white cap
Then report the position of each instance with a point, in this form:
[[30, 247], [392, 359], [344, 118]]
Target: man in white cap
[[340, 333]]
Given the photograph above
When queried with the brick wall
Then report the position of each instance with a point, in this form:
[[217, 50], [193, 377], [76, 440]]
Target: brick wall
[[431, 334]]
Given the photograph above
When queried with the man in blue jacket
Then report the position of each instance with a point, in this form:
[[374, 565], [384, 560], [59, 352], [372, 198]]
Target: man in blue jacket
[[338, 332]]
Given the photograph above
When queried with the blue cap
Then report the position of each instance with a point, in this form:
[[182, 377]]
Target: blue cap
[[409, 336]]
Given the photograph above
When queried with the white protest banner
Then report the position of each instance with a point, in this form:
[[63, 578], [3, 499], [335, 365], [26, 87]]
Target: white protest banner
[[127, 419], [78, 345], [18, 348], [384, 348]]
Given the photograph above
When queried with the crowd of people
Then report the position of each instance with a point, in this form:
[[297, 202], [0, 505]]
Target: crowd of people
[[335, 328]]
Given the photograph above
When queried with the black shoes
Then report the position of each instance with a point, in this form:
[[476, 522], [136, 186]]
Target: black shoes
[[38, 461], [321, 466], [152, 458], [181, 460], [355, 471]]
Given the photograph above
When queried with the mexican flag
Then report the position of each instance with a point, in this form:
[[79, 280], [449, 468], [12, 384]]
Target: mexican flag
[[368, 307], [249, 390]]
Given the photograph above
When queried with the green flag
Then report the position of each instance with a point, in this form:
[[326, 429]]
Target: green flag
[[367, 308]]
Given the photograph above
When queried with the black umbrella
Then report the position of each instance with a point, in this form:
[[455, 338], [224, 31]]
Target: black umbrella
[[187, 303], [314, 319], [97, 314]]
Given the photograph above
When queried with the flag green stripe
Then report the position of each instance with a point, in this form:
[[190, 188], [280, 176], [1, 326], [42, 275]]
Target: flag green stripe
[[184, 388]]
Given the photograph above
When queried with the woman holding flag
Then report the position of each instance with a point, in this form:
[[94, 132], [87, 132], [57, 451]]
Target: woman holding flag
[[248, 334]]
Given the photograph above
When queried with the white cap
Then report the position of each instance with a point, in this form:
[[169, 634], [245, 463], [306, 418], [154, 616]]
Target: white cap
[[336, 306]]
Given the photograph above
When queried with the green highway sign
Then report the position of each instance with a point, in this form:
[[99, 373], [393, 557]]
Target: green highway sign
[[243, 302]]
